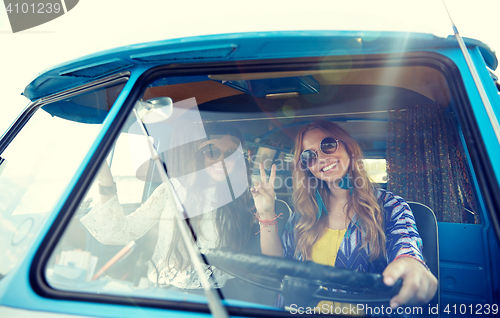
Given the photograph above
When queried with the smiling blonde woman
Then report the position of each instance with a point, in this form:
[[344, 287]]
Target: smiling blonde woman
[[341, 219]]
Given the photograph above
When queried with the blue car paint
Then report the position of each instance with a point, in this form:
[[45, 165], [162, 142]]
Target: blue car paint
[[481, 115], [15, 289], [485, 231], [471, 260], [488, 135], [249, 46]]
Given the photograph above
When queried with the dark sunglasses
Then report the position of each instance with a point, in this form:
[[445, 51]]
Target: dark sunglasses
[[328, 146], [212, 152]]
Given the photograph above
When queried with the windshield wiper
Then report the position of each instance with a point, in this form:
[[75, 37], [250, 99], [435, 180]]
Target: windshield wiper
[[214, 302]]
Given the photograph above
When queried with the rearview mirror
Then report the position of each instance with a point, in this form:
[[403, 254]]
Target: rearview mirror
[[155, 109]]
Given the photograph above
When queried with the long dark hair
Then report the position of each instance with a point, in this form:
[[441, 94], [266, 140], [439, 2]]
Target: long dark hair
[[234, 221]]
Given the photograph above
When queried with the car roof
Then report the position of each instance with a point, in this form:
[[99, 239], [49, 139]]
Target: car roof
[[238, 46]]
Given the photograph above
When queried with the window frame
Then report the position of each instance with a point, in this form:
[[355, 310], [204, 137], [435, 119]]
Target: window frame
[[481, 164], [34, 106]]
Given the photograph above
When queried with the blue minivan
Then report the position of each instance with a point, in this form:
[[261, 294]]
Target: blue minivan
[[424, 113]]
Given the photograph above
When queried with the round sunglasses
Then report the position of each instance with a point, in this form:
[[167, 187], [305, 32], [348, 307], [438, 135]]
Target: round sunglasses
[[328, 146], [213, 153]]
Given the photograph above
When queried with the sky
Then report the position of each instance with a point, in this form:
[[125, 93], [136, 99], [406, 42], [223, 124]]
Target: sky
[[95, 25]]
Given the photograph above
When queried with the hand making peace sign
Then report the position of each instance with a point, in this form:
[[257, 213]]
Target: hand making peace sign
[[263, 193]]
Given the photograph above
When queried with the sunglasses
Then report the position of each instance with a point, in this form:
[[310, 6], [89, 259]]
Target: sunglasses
[[213, 153], [328, 146]]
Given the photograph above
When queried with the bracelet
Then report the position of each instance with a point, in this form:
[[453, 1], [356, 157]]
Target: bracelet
[[107, 190], [267, 223]]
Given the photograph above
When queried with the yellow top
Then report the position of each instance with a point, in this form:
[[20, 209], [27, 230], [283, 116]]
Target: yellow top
[[325, 250]]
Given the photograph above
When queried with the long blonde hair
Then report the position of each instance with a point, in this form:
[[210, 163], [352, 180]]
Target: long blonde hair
[[362, 201]]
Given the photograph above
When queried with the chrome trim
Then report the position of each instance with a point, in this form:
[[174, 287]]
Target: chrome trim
[[304, 116], [282, 95], [103, 82]]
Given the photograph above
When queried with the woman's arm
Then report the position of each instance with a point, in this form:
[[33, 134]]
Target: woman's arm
[[264, 196], [106, 181], [404, 252], [107, 223], [419, 285]]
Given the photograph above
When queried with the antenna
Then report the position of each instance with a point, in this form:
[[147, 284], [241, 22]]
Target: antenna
[[475, 77], [455, 30], [214, 302]]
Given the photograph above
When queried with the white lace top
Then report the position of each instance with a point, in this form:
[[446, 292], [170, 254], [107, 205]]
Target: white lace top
[[108, 225]]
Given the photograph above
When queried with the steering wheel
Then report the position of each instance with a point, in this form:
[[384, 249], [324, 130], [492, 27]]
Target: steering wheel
[[304, 283]]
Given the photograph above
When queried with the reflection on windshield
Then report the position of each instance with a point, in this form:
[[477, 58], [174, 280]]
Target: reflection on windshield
[[197, 154], [211, 178]]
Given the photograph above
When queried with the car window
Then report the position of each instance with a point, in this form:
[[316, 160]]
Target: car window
[[38, 165], [214, 135]]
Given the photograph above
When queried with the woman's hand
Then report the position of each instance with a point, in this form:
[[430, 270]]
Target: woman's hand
[[264, 195], [419, 285]]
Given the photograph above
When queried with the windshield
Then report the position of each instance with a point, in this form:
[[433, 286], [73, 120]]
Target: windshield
[[38, 165], [222, 139]]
